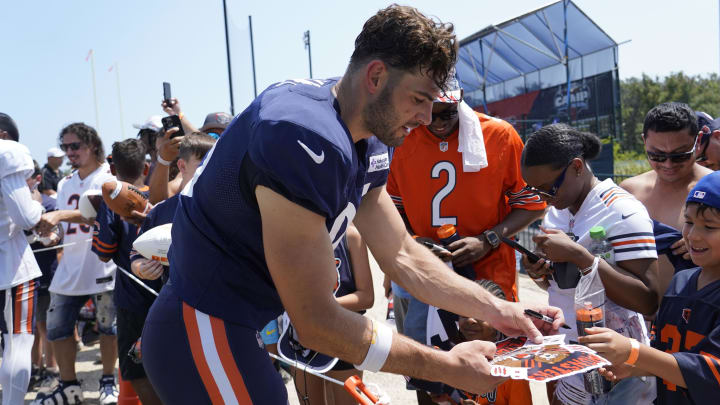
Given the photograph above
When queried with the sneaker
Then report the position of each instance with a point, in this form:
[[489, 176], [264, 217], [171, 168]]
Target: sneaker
[[108, 392], [62, 395], [50, 380], [36, 376]]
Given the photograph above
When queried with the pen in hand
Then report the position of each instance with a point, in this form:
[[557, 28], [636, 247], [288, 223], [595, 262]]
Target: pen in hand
[[538, 315]]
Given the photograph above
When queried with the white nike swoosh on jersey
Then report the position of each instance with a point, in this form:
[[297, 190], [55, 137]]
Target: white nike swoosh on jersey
[[314, 156]]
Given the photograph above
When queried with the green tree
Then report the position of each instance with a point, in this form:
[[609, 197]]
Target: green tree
[[639, 95]]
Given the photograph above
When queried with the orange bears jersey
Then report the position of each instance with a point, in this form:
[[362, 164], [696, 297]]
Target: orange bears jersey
[[427, 183]]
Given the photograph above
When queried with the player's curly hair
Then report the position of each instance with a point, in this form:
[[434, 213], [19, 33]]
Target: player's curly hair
[[405, 39], [557, 145], [88, 136]]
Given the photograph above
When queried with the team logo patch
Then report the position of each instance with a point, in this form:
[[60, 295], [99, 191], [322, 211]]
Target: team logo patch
[[379, 162], [699, 194], [686, 314]]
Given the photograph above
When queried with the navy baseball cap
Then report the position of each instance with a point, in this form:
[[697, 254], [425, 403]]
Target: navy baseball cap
[[706, 191]]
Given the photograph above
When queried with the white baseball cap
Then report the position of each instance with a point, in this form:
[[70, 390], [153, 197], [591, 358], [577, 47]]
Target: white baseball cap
[[55, 152], [153, 122]]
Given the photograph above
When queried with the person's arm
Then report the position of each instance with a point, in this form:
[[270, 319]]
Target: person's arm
[[299, 256], [364, 296], [428, 279], [470, 249], [176, 110], [616, 348], [49, 220], [168, 150], [632, 286], [24, 211]]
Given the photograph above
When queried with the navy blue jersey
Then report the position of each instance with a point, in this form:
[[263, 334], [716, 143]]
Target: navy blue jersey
[[346, 280], [688, 326], [113, 239], [292, 140]]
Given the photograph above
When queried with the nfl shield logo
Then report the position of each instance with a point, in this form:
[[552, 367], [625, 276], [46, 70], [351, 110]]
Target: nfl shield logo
[[443, 146], [686, 314]]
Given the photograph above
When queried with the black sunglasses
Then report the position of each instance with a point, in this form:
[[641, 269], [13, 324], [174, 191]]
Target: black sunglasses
[[71, 146], [555, 187], [445, 115], [674, 157]]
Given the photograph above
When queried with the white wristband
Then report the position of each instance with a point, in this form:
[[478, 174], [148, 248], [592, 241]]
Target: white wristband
[[379, 348], [162, 161]]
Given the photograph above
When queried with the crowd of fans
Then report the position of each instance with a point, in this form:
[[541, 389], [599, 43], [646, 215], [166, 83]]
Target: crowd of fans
[[461, 183]]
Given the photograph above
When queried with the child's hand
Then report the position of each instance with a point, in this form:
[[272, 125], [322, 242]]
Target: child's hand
[[611, 345], [616, 373]]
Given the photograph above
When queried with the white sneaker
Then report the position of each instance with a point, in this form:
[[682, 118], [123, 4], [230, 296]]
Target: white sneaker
[[108, 394], [69, 395]]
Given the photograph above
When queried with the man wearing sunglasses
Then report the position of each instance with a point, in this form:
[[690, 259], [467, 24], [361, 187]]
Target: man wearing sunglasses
[[431, 184], [80, 275], [670, 134]]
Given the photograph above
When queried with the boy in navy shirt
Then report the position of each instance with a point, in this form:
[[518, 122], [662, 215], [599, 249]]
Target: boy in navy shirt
[[685, 353], [112, 239]]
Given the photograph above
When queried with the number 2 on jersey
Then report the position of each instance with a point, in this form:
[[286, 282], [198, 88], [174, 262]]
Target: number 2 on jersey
[[444, 166], [71, 227]]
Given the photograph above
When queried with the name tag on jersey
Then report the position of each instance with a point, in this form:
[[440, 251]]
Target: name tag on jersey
[[379, 162]]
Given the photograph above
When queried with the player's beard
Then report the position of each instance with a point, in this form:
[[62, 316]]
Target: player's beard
[[380, 118]]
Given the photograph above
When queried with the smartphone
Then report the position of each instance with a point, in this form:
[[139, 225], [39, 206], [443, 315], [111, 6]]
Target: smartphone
[[435, 247], [532, 257], [173, 121], [167, 94]]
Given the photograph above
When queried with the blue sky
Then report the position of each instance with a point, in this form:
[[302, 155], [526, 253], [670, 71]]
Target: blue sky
[[45, 82]]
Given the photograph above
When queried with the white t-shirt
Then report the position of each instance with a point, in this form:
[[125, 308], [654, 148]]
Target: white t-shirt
[[17, 262], [80, 272], [629, 228]]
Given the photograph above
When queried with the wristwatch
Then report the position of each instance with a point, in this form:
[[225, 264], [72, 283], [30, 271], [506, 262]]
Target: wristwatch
[[492, 238]]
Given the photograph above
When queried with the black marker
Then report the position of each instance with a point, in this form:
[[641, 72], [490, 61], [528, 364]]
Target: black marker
[[538, 315]]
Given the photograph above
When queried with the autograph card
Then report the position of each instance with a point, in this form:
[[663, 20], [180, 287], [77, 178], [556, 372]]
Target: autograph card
[[521, 360]]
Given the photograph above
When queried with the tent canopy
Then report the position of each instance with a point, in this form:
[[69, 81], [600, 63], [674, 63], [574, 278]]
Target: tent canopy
[[527, 44]]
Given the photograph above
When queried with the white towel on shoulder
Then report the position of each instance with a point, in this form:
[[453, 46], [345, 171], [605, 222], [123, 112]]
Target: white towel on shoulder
[[470, 140]]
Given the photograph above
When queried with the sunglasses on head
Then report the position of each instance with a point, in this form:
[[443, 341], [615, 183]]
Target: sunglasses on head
[[70, 146], [678, 157], [445, 115], [555, 187]]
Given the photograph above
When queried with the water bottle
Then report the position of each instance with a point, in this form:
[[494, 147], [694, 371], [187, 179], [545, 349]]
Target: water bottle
[[447, 235], [600, 246], [590, 317]]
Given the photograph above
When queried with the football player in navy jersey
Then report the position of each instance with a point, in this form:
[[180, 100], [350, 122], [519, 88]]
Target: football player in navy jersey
[[685, 352], [255, 228]]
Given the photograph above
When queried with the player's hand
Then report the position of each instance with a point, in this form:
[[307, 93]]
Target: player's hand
[[47, 223], [680, 248], [147, 269], [510, 319], [609, 344], [557, 246], [617, 373], [468, 250], [173, 108], [136, 217], [168, 148], [471, 369], [538, 269], [444, 254]]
